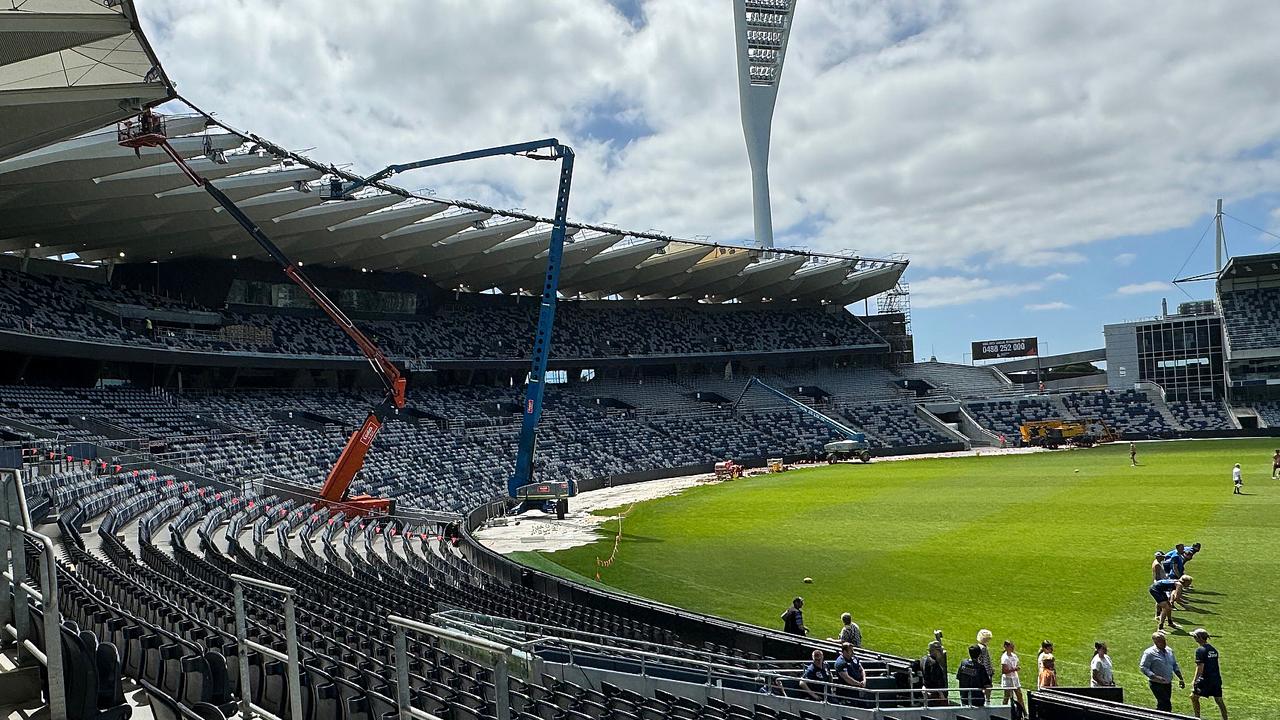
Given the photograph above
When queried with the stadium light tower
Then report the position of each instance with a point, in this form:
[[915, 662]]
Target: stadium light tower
[[761, 29]]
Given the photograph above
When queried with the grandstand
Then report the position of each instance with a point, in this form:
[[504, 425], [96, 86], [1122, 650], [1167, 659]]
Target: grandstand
[[169, 402]]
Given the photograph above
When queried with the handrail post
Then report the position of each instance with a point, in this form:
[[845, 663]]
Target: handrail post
[[403, 702], [52, 633], [7, 603], [291, 647], [242, 637]]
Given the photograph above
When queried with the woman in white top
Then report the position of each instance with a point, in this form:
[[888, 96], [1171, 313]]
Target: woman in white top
[[1100, 667], [1009, 667]]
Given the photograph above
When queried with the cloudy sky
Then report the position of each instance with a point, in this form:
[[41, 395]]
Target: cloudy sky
[[1047, 166]]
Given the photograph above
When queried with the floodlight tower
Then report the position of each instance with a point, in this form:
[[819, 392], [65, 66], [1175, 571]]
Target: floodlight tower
[[761, 29]]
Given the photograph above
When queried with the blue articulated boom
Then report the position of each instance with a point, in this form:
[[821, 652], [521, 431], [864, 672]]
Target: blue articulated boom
[[848, 432], [532, 410]]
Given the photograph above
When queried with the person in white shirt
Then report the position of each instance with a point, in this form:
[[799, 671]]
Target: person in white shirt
[[1046, 648], [1009, 667], [1100, 673], [1238, 479]]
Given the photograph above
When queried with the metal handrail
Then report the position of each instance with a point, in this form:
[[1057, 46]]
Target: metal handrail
[[14, 521], [402, 625], [247, 706]]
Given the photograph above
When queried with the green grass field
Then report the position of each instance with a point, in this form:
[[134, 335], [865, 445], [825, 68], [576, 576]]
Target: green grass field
[[1022, 545]]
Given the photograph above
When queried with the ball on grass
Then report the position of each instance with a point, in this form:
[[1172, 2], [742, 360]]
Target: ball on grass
[[808, 581], [1077, 470]]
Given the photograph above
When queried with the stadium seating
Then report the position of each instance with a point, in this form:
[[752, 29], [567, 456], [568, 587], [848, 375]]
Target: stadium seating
[[80, 309], [958, 381], [140, 603], [1005, 417], [1269, 411], [1202, 415], [1127, 411], [1251, 317]]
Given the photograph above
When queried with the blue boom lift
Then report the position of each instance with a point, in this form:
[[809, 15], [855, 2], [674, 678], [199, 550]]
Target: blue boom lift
[[521, 483], [853, 444]]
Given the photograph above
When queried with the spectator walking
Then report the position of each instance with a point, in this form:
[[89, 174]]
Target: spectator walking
[[793, 618], [1010, 666], [1160, 667], [1046, 648], [849, 631], [1238, 479], [817, 672], [984, 640], [1207, 681], [934, 669], [974, 679], [1100, 669]]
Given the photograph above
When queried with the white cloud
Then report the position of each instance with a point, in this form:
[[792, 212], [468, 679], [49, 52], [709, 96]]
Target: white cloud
[[1057, 277], [938, 291], [1042, 307], [1153, 286], [953, 132], [1125, 259]]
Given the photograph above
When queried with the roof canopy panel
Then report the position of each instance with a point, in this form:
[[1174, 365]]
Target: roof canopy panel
[[70, 67]]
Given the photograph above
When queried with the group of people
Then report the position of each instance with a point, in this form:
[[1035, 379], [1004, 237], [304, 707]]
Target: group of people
[[1170, 581], [976, 675]]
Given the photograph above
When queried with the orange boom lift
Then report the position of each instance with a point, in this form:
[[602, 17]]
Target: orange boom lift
[[149, 132]]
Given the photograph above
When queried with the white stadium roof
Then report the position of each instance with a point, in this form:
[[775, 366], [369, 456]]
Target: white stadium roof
[[70, 66]]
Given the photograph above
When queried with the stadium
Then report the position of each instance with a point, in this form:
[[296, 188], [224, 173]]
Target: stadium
[[282, 440]]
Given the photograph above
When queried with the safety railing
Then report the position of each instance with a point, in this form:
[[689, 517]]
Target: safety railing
[[247, 707], [498, 654], [14, 532]]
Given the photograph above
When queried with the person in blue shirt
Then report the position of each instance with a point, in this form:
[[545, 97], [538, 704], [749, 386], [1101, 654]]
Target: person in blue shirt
[[849, 671], [1175, 561], [1160, 667], [1163, 592], [816, 671]]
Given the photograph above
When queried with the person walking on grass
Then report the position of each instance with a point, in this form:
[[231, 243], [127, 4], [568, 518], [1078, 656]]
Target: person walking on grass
[[1160, 667], [793, 618], [1100, 669], [1010, 666], [1208, 678], [1237, 478], [1133, 454], [1275, 466]]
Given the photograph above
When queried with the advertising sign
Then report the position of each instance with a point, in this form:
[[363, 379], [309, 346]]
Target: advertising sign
[[1013, 347]]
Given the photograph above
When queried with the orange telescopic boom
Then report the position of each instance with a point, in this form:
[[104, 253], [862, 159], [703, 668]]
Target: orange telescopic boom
[[149, 132]]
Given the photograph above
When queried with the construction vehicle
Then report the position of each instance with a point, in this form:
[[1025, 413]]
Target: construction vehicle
[[853, 444], [149, 131], [1053, 434]]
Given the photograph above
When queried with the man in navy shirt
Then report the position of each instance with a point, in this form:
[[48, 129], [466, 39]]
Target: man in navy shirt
[[849, 671], [1208, 678], [793, 618], [816, 671], [972, 676]]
